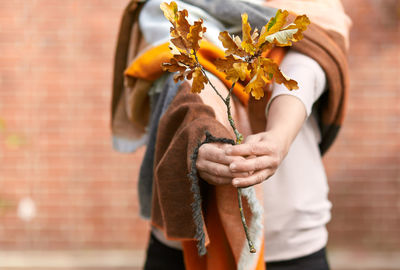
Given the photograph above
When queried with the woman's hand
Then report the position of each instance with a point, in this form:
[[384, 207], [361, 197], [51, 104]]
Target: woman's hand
[[213, 164], [265, 152]]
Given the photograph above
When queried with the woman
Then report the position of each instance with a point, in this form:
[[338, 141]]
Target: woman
[[291, 209]]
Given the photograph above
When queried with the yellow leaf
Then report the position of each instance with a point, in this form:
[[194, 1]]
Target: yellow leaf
[[257, 84], [274, 25], [199, 80], [292, 32], [247, 41], [230, 45], [170, 11], [235, 69], [273, 72], [301, 23], [282, 38]]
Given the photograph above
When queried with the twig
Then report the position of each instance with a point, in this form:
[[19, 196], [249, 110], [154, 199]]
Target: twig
[[239, 139]]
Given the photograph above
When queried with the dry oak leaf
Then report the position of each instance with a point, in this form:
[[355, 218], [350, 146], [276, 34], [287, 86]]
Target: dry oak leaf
[[273, 72], [199, 80], [257, 84], [231, 45], [292, 32], [247, 39], [185, 37], [195, 35], [274, 25], [170, 11], [235, 69]]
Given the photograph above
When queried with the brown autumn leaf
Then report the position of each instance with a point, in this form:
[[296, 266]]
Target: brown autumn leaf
[[175, 66], [186, 60], [195, 35], [180, 44], [257, 84], [230, 45], [273, 72], [235, 69], [199, 80], [182, 25]]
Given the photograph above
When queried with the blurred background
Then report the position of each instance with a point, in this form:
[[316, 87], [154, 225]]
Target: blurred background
[[69, 201]]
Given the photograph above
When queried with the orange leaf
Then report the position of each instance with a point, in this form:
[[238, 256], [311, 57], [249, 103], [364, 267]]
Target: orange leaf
[[235, 69], [199, 80], [195, 34]]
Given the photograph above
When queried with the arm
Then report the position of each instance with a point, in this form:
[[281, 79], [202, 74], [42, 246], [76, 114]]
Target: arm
[[286, 113], [285, 118]]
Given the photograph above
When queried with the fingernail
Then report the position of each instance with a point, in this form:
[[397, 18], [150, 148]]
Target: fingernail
[[232, 166], [235, 182], [228, 151]]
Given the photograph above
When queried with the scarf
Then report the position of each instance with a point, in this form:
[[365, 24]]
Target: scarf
[[180, 129]]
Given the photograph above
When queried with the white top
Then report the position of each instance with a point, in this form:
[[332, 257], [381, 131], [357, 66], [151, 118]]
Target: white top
[[295, 197], [296, 204]]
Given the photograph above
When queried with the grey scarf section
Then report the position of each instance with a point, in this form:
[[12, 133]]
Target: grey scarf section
[[162, 92], [228, 12]]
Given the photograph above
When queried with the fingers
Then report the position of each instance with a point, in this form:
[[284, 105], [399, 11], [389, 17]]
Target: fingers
[[254, 164], [249, 149], [256, 178], [217, 169], [213, 164], [215, 153], [215, 180]]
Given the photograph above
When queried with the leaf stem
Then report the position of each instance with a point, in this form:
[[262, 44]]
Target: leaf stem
[[239, 139]]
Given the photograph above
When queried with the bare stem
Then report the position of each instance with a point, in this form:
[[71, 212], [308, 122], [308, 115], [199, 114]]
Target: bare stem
[[239, 139], [246, 229]]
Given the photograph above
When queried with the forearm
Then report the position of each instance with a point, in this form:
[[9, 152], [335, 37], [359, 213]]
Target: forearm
[[285, 117]]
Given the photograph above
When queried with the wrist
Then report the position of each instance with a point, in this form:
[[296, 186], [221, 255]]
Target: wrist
[[279, 141]]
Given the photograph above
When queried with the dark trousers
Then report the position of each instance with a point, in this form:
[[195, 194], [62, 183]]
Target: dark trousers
[[162, 257], [315, 261]]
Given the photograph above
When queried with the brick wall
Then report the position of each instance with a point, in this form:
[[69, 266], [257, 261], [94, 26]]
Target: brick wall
[[56, 62], [364, 165], [63, 187]]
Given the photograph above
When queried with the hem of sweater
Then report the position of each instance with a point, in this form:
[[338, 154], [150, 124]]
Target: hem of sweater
[[296, 252], [169, 243]]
